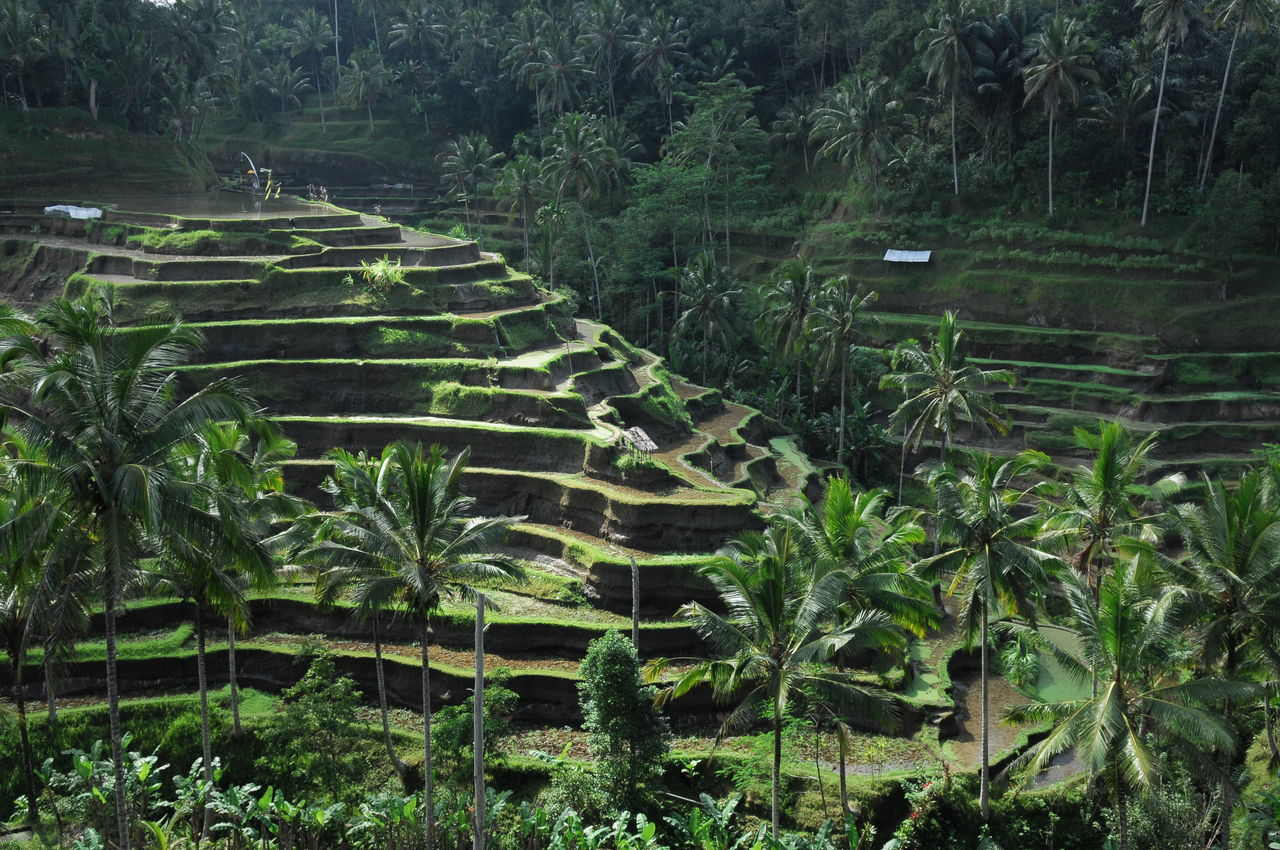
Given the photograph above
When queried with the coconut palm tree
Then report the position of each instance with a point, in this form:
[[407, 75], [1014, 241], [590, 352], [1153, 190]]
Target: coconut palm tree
[[286, 83], [1061, 63], [1142, 698], [1166, 22], [656, 45], [950, 42], [606, 27], [840, 318], [310, 38], [101, 406], [1229, 569], [578, 161], [1103, 500], [709, 294], [940, 389], [777, 637], [790, 294], [990, 555], [362, 80], [559, 70], [519, 185], [855, 122], [1242, 16], [413, 547], [465, 162]]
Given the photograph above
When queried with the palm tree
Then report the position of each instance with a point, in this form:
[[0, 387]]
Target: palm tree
[[1127, 640], [578, 159], [1060, 64], [790, 293], [854, 123], [285, 82], [1243, 16], [709, 294], [558, 71], [995, 569], [354, 487], [657, 44], [605, 30], [777, 637], [525, 38], [413, 547], [519, 185], [465, 162], [940, 389], [1230, 571], [310, 37], [1103, 500], [840, 316], [951, 40], [101, 405], [1166, 22], [362, 83]]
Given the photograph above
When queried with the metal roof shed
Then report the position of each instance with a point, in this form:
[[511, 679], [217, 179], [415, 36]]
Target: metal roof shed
[[892, 256]]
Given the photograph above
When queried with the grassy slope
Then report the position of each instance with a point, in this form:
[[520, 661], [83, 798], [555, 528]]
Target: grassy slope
[[62, 153]]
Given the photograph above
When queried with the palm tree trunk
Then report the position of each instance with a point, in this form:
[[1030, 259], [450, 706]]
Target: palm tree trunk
[[202, 683], [1053, 114], [315, 68], [477, 728], [231, 673], [369, 106], [428, 784], [50, 686], [382, 701], [591, 254], [113, 695], [817, 767], [337, 57], [1122, 815], [955, 163], [1268, 719], [17, 658], [524, 212], [777, 767], [844, 365], [1222, 95], [984, 786], [1155, 127], [842, 740]]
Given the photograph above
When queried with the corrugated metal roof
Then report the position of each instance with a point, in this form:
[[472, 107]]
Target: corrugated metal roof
[[892, 256]]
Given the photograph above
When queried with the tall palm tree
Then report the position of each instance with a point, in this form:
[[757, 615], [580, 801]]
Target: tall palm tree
[[840, 318], [1230, 570], [465, 162], [940, 389], [286, 83], [1166, 22], [790, 294], [776, 638], [362, 81], [525, 38], [102, 406], [310, 38], [559, 71], [990, 555], [1128, 642], [1103, 500], [709, 294], [1242, 16], [606, 27], [577, 161], [656, 45], [414, 546], [949, 43], [1060, 65], [855, 122], [519, 185]]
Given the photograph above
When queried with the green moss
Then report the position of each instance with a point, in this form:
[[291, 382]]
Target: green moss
[[458, 401]]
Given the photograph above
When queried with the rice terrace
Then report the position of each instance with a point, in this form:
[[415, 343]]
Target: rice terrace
[[610, 425]]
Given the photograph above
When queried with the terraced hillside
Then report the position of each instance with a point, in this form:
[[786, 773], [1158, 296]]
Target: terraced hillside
[[1093, 325]]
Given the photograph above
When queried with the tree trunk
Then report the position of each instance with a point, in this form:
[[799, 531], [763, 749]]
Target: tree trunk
[[93, 100], [955, 162], [1222, 95], [817, 768], [315, 67], [206, 746], [1268, 719], [369, 106], [1155, 127], [337, 57], [18, 657], [113, 700], [232, 680], [591, 254], [844, 364], [382, 701], [428, 785], [635, 605], [842, 740], [777, 768], [984, 787], [1122, 815], [50, 687], [1053, 114], [477, 728]]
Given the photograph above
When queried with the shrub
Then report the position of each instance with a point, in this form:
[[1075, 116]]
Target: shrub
[[452, 734]]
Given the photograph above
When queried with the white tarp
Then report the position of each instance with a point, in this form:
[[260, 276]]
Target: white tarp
[[73, 212], [892, 256]]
